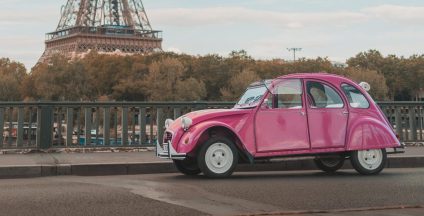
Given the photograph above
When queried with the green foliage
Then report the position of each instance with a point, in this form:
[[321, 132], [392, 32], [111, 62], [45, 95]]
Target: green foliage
[[403, 76], [11, 76], [379, 89], [238, 84], [181, 77]]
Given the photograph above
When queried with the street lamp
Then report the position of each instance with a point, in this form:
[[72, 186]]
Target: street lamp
[[294, 50]]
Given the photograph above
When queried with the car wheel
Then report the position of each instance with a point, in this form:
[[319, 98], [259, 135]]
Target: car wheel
[[369, 162], [187, 166], [218, 157], [329, 164]]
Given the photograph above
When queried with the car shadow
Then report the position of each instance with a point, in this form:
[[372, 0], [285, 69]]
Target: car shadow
[[288, 175]]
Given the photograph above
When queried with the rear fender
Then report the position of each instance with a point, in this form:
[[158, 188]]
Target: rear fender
[[370, 133]]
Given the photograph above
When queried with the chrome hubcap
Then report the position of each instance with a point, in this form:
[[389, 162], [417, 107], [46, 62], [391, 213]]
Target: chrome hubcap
[[219, 158], [370, 159]]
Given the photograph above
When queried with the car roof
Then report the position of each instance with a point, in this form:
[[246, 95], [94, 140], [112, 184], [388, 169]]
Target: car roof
[[322, 75]]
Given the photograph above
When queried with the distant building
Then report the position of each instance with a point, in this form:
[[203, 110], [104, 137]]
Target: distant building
[[105, 26]]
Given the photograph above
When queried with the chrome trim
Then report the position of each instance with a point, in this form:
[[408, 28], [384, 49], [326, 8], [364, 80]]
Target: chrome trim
[[169, 152]]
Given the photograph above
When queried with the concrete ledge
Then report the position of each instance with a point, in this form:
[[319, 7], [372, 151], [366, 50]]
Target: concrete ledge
[[150, 168], [167, 167], [405, 162], [99, 169], [20, 172]]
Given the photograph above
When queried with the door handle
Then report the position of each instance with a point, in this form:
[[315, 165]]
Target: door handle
[[345, 113], [302, 113]]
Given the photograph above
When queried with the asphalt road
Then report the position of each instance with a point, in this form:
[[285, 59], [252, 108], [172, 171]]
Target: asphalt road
[[279, 193]]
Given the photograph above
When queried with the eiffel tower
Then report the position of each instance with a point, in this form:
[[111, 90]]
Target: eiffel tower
[[106, 26]]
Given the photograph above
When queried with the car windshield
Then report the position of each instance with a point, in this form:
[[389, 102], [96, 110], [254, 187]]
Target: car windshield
[[252, 96]]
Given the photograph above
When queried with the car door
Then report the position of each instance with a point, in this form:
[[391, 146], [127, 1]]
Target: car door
[[281, 122], [327, 115]]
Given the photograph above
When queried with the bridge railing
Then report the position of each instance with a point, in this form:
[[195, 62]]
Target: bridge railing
[[47, 125], [407, 119]]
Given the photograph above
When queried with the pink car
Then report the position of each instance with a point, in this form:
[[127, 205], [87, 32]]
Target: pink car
[[322, 115]]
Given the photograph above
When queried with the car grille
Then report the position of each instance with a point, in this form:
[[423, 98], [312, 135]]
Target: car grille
[[167, 137]]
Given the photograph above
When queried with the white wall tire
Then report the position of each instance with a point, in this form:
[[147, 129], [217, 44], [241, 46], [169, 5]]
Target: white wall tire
[[218, 158], [369, 162]]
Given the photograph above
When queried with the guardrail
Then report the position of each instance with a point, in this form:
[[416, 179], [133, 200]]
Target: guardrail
[[407, 118], [46, 125]]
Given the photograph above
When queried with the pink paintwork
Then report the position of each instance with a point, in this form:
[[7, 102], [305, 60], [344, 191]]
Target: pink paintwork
[[262, 131]]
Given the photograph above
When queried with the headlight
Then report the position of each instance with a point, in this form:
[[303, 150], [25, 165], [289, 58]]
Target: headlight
[[168, 123], [186, 122]]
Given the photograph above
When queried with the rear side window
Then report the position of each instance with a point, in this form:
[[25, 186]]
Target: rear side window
[[321, 95], [355, 97]]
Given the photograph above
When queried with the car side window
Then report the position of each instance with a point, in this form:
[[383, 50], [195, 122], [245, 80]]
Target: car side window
[[288, 94], [323, 96], [355, 97]]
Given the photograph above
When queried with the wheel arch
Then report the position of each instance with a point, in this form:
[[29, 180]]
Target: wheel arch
[[225, 131]]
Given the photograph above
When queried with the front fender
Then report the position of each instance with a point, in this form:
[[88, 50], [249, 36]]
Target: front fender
[[370, 133], [190, 140]]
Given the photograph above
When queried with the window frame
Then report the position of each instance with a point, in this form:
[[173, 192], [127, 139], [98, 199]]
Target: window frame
[[347, 98], [334, 88]]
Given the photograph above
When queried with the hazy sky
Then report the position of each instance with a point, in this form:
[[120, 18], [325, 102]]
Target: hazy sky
[[337, 29]]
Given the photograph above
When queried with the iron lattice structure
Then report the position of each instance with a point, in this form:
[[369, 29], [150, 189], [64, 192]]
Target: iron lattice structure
[[105, 26]]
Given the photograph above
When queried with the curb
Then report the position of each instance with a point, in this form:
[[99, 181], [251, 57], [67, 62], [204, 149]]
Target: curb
[[32, 171]]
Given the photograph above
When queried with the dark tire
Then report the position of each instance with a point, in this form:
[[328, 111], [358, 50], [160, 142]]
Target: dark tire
[[218, 157], [188, 166], [329, 164], [369, 162]]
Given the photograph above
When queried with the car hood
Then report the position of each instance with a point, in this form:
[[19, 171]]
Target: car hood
[[209, 114]]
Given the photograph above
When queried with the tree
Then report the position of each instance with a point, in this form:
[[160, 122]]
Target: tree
[[379, 89], [131, 87], [165, 82], [172, 77], [213, 71], [190, 89], [372, 59], [58, 80], [11, 76], [238, 85]]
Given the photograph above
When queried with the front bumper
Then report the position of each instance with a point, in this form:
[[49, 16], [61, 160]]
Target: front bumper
[[167, 151]]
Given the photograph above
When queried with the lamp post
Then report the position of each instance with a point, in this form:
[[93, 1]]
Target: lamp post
[[294, 50]]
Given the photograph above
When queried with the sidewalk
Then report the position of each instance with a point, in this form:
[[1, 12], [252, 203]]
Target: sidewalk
[[123, 163]]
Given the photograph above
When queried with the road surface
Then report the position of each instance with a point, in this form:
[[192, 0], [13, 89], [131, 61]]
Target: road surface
[[279, 193]]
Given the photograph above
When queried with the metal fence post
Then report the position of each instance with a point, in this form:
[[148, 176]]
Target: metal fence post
[[1, 126], [10, 139], [398, 120], [160, 125], [88, 120], [44, 127], [20, 131], [106, 126], [69, 125], [412, 123], [124, 125], [142, 122]]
